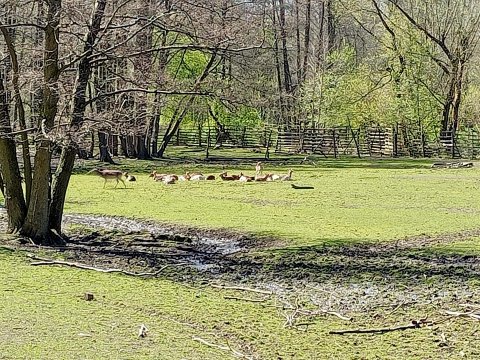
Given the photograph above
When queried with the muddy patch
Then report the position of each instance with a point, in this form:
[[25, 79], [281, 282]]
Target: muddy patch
[[346, 278], [203, 250]]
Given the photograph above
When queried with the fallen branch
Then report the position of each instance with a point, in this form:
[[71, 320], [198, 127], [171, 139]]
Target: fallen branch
[[413, 325], [43, 262], [222, 347], [470, 314], [242, 289], [244, 299], [330, 313]]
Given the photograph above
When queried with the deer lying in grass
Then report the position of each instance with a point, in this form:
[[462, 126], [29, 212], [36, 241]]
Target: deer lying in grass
[[156, 176], [129, 177], [194, 176], [266, 177], [226, 177], [170, 179], [245, 178], [109, 175], [287, 177]]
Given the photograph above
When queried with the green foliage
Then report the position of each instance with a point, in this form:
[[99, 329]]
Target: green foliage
[[347, 93], [187, 64], [415, 90], [378, 90]]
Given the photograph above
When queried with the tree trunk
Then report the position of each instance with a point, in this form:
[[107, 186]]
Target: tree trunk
[[67, 158], [59, 188], [131, 150], [155, 133], [142, 150], [123, 146], [283, 34], [36, 224], [14, 199], [298, 41], [278, 64], [27, 165], [306, 45], [175, 124], [331, 30], [103, 147], [37, 220], [320, 44]]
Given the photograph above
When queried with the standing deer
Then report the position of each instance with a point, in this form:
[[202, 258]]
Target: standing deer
[[258, 168], [109, 175]]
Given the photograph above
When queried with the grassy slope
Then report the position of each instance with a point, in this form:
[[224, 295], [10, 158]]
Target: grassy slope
[[42, 312]]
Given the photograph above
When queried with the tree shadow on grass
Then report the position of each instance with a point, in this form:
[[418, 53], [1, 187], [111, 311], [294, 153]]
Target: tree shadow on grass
[[406, 262], [360, 262]]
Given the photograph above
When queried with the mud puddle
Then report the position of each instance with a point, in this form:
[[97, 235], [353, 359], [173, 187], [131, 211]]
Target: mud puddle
[[202, 250]]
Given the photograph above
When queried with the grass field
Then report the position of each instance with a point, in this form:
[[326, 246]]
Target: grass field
[[382, 242]]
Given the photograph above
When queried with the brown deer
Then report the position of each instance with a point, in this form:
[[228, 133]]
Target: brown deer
[[156, 176], [109, 175], [226, 177], [245, 178], [266, 177], [287, 177]]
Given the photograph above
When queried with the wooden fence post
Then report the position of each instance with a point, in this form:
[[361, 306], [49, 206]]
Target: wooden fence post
[[267, 151], [395, 140], [208, 144], [199, 134], [335, 150]]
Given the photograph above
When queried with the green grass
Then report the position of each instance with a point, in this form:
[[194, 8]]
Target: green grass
[[43, 314], [364, 203]]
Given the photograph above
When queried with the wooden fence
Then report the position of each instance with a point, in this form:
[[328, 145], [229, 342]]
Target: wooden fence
[[341, 141], [329, 142]]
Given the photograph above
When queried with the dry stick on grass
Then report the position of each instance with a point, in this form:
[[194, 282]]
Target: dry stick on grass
[[223, 347], [298, 311], [326, 312], [471, 314], [413, 325], [43, 261], [245, 299], [242, 289]]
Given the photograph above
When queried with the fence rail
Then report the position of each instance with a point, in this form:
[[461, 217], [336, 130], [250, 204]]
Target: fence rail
[[333, 142], [338, 141]]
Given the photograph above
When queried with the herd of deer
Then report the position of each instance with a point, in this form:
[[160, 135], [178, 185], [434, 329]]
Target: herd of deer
[[119, 175]]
